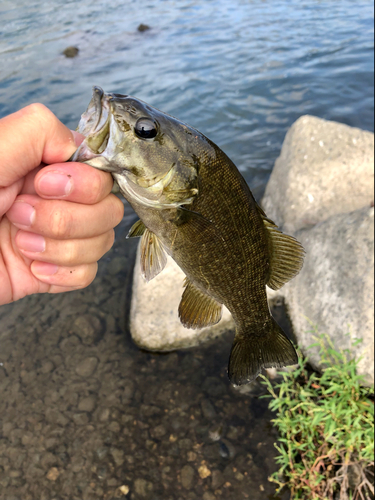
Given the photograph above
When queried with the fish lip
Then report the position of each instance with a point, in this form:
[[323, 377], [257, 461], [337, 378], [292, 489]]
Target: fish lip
[[95, 125], [97, 96]]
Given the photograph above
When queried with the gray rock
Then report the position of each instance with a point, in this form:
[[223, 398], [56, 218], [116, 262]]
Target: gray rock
[[335, 289], [325, 168], [321, 190], [154, 321]]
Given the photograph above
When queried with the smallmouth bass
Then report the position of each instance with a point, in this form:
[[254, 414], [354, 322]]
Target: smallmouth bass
[[194, 205]]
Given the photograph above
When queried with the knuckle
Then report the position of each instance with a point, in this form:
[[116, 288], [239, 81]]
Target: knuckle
[[36, 110], [61, 224], [71, 254]]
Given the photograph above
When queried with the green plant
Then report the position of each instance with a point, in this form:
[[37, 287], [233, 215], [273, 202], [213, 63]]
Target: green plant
[[326, 428]]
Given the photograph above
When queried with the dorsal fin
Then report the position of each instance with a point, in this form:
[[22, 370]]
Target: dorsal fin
[[137, 230], [153, 255], [286, 255], [197, 309]]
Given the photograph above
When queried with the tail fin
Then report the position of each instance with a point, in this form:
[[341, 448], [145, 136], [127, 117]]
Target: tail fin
[[251, 352]]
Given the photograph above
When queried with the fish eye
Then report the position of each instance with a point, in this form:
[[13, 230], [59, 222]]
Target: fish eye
[[145, 128]]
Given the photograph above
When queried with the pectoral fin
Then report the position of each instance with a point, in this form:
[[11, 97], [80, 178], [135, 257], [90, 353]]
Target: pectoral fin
[[286, 255], [136, 230], [153, 255], [197, 309]]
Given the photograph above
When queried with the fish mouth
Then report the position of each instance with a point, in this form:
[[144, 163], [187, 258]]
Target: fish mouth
[[95, 125], [98, 138]]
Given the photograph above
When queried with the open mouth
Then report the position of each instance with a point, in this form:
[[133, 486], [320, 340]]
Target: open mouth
[[94, 123]]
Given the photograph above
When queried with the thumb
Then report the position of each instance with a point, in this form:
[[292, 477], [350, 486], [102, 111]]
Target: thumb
[[29, 137]]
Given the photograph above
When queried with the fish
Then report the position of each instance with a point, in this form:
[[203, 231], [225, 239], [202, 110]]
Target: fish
[[194, 205]]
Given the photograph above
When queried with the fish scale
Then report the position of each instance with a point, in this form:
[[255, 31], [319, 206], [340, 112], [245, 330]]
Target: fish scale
[[194, 205]]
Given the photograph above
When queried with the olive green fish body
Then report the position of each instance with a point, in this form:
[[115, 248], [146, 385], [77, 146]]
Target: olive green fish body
[[194, 204]]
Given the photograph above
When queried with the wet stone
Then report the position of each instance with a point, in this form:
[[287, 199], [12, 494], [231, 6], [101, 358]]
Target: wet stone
[[187, 476], [208, 409], [88, 328], [47, 367], [71, 51], [56, 417], [208, 495], [159, 431], [143, 27], [104, 414], [70, 343], [214, 386], [87, 367], [87, 404], [143, 488], [185, 444], [118, 456], [117, 265], [80, 418], [217, 479]]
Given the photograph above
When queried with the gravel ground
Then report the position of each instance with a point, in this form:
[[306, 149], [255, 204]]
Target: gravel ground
[[86, 415]]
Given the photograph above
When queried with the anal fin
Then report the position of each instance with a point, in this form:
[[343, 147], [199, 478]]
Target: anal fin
[[197, 309]]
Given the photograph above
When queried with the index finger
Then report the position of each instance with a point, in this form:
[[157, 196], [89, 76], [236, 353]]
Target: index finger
[[29, 137]]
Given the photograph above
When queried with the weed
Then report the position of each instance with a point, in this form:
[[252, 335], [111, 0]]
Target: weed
[[326, 428]]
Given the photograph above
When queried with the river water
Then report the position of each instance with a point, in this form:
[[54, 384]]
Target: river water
[[241, 72], [85, 415]]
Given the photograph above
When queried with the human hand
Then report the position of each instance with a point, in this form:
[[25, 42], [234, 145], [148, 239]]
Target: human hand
[[56, 221]]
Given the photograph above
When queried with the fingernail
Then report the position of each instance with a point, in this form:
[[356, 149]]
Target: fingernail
[[44, 268], [78, 138], [30, 242], [55, 184], [21, 213]]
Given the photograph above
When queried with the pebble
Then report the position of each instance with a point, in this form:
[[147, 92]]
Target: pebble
[[214, 387], [118, 456], [159, 431], [87, 404], [204, 471], [47, 367], [217, 479], [143, 488], [143, 27], [87, 367], [71, 51], [124, 489], [53, 474], [81, 418], [185, 444], [88, 328], [187, 476], [208, 495], [208, 409]]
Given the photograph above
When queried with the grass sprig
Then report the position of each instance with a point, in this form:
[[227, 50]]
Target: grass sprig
[[326, 429]]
